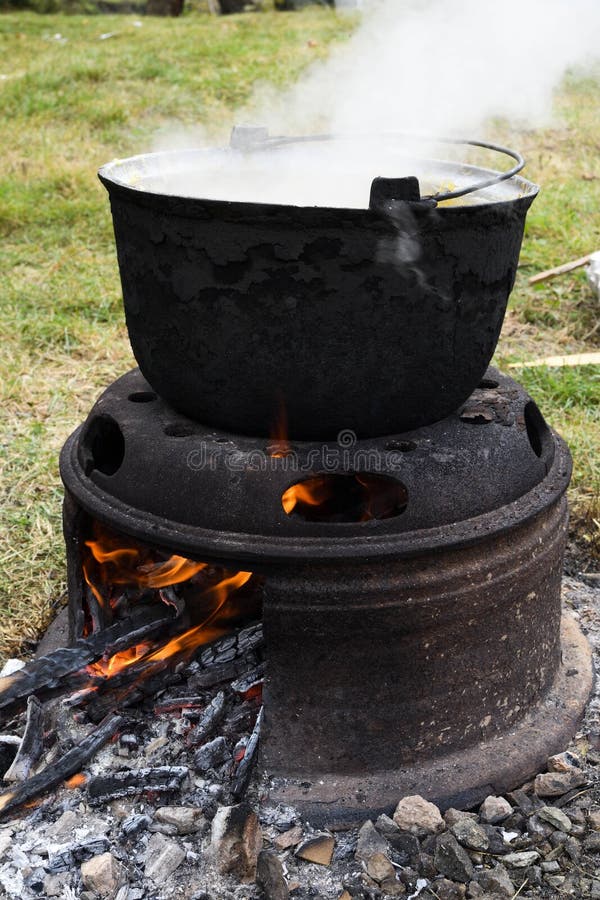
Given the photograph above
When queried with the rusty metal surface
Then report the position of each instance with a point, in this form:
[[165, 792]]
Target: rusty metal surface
[[379, 664], [462, 778], [165, 479]]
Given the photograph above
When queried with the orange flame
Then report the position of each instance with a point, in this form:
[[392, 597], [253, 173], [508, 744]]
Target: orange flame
[[280, 444], [313, 493], [109, 560], [125, 566]]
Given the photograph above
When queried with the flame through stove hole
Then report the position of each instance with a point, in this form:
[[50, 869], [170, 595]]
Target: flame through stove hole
[[351, 497], [122, 573]]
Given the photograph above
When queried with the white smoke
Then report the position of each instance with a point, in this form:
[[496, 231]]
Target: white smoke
[[435, 67], [442, 66]]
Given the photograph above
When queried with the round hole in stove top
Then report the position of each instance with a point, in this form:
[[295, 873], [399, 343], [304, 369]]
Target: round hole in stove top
[[345, 498], [142, 397]]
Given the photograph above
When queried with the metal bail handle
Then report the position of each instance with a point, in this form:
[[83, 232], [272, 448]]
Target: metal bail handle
[[257, 138]]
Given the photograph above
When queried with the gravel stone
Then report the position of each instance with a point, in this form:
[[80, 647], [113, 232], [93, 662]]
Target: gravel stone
[[470, 834], [270, 877], [555, 817], [497, 881], [494, 810], [591, 843], [369, 842], [102, 875], [418, 816], [555, 784], [521, 860], [163, 857], [236, 840], [452, 860], [186, 819], [379, 868]]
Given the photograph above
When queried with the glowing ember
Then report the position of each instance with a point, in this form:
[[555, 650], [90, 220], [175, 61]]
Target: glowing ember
[[76, 781]]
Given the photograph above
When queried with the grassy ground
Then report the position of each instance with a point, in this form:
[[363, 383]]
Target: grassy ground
[[71, 101]]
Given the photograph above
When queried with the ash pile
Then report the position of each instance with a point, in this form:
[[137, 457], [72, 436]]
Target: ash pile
[[164, 803]]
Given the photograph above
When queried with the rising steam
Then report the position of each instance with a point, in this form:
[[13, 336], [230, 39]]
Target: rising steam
[[434, 67]]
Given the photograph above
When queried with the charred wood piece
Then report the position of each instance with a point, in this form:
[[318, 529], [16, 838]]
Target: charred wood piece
[[127, 783], [211, 717], [32, 745], [226, 672], [231, 647], [250, 682], [244, 770], [98, 607], [77, 853], [70, 764], [43, 676]]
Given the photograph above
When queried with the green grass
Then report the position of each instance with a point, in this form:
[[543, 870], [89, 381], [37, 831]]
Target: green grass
[[68, 105]]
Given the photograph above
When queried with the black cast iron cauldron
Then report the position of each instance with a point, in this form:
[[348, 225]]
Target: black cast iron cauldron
[[379, 319]]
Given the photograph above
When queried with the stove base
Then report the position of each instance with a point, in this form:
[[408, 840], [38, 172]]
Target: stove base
[[464, 778]]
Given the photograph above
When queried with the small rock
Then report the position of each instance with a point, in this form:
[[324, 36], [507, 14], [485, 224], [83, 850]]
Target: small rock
[[212, 754], [595, 890], [521, 860], [102, 875], [369, 842], [386, 827], [448, 890], [555, 817], [591, 843], [452, 816], [470, 834], [54, 885], [555, 881], [555, 784], [379, 868], [317, 849], [391, 887], [593, 818], [289, 838], [418, 816], [538, 830], [573, 849], [494, 810], [270, 877], [452, 860], [163, 857], [186, 819], [497, 881], [550, 867], [526, 804], [497, 844], [564, 762], [236, 841]]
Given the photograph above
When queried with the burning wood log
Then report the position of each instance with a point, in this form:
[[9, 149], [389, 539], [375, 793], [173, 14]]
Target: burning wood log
[[70, 764], [145, 678], [43, 676], [244, 771], [32, 745], [127, 783]]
